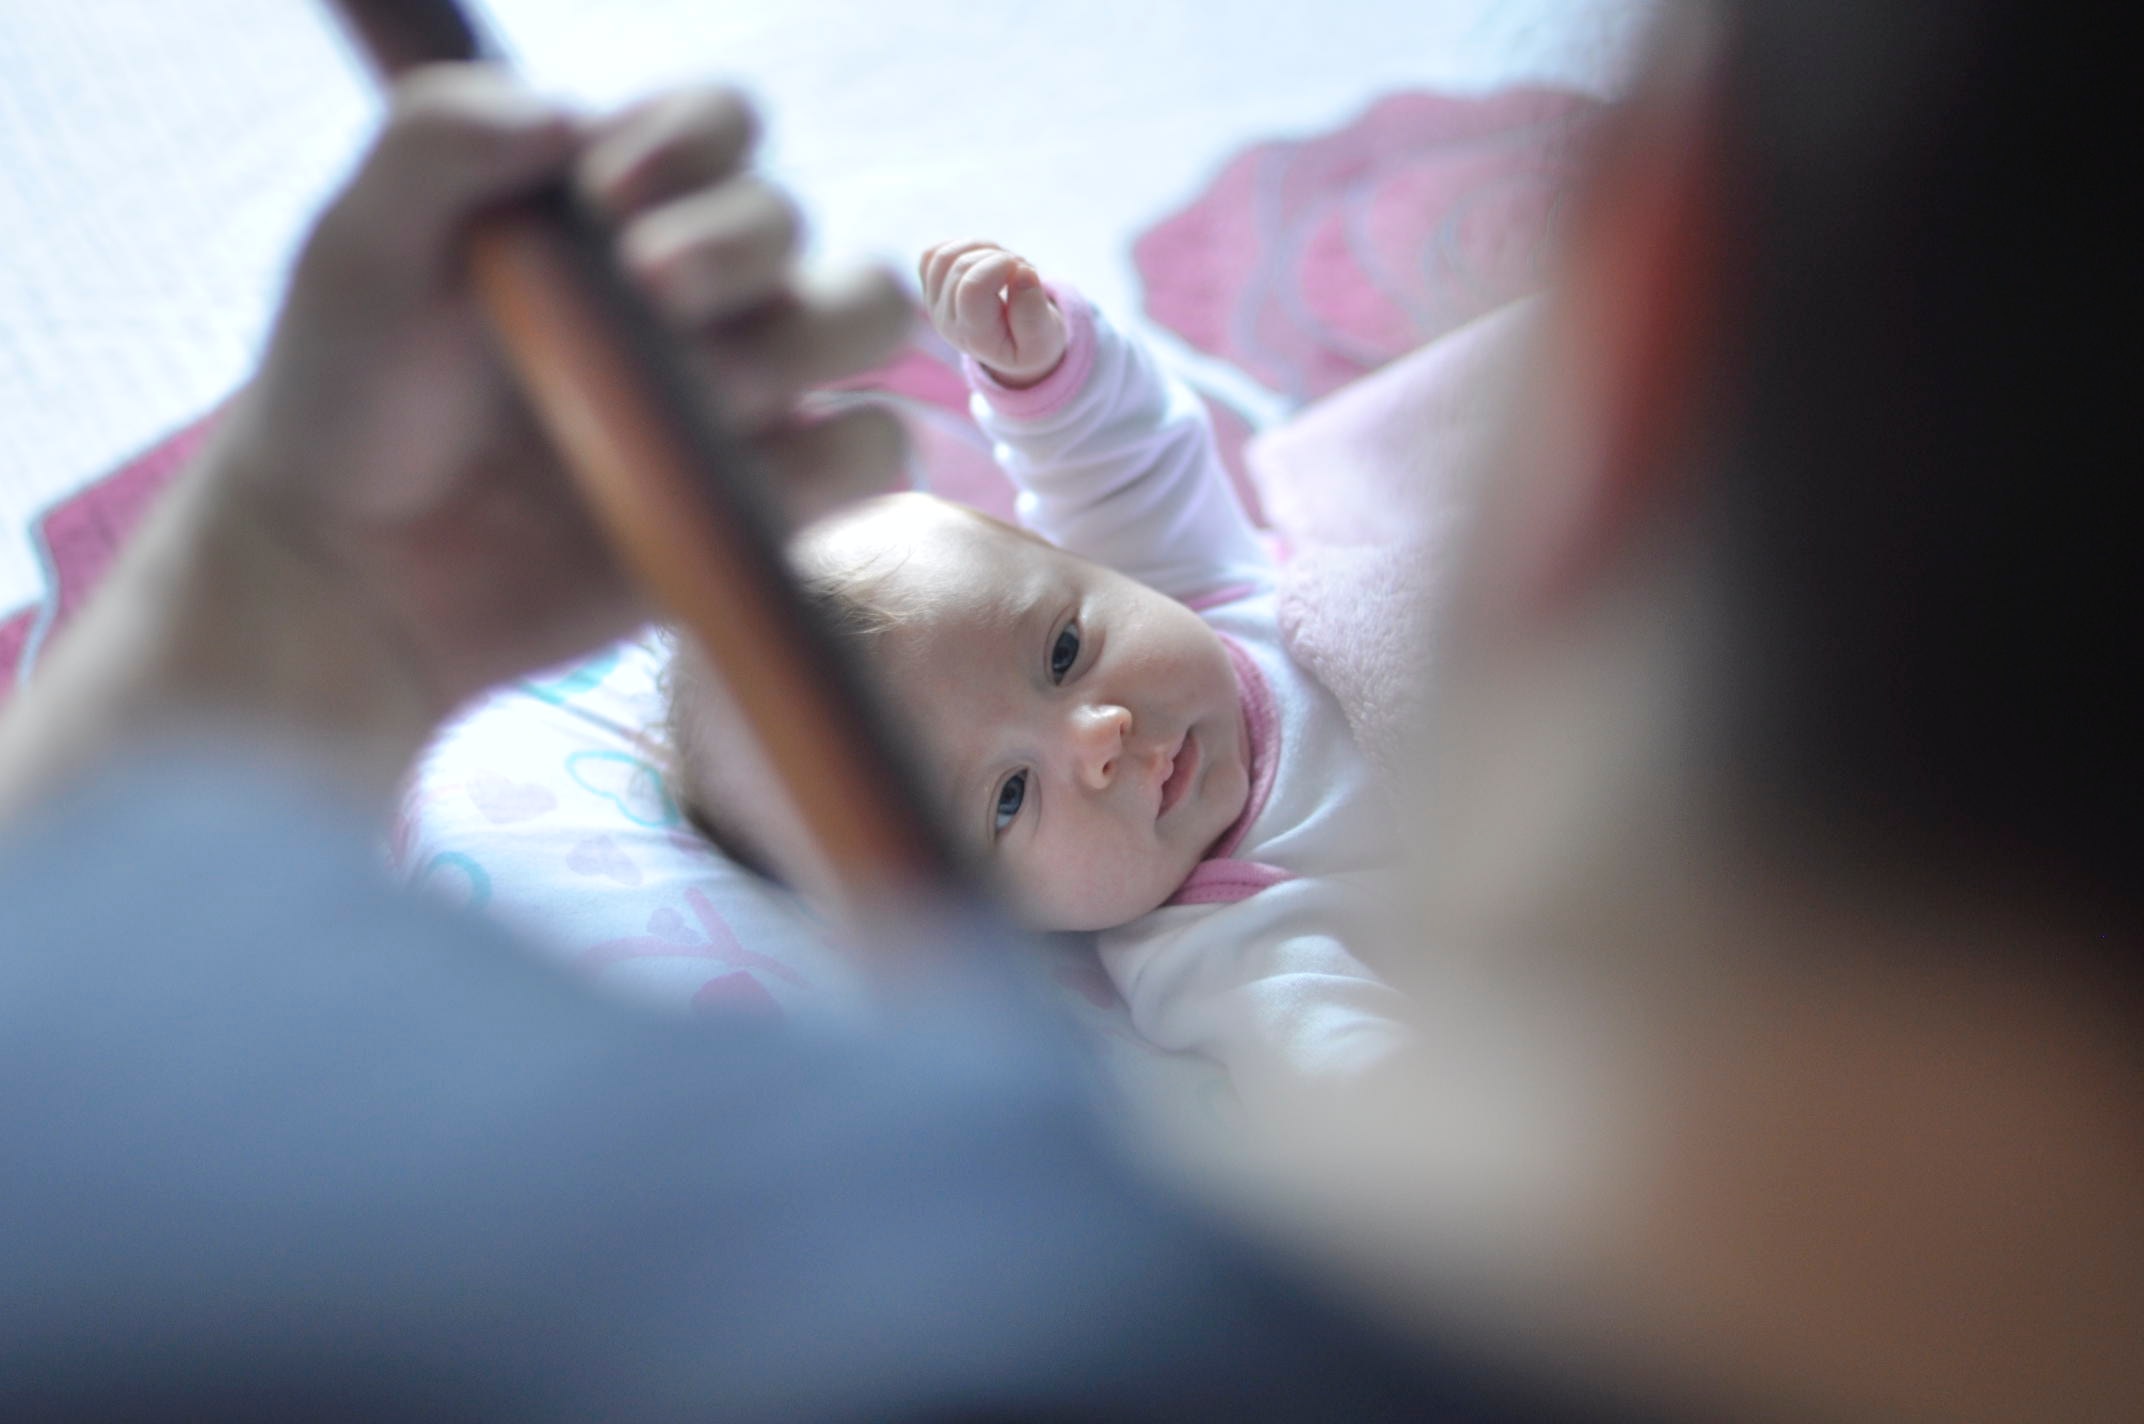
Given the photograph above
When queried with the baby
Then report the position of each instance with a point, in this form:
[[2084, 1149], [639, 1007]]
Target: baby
[[1102, 697]]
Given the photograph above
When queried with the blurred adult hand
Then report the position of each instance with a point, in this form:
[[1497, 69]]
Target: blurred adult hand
[[378, 531], [383, 441]]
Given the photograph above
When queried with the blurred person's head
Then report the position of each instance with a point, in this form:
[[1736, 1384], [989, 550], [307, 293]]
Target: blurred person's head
[[1782, 735]]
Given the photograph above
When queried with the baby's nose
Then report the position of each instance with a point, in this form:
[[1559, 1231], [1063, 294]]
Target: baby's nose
[[1098, 732]]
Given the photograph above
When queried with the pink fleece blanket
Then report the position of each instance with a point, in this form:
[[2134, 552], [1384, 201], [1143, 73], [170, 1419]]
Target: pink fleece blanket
[[1367, 487]]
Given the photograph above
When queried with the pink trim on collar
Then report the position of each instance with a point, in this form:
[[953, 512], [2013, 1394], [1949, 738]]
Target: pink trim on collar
[[1261, 744], [1223, 882], [1220, 878], [1215, 598]]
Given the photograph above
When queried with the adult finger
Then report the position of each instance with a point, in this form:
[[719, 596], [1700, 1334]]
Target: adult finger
[[830, 328], [457, 139], [715, 253], [834, 458], [664, 148]]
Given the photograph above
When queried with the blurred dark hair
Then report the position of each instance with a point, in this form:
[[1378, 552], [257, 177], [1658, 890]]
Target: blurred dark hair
[[1923, 411]]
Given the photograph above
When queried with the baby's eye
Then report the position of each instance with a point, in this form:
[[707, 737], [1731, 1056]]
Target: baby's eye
[[1011, 797], [1064, 652]]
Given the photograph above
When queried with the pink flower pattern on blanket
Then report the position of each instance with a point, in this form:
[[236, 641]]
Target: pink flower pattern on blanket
[[503, 802], [736, 993], [670, 937], [734, 990], [603, 856], [1308, 262]]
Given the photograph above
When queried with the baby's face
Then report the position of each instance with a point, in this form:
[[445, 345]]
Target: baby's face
[[1084, 730]]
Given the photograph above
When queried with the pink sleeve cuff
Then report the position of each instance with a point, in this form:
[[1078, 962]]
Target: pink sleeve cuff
[[1056, 390]]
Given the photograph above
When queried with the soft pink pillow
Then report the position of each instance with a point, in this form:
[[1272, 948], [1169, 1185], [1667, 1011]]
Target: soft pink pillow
[[1385, 458], [1364, 487]]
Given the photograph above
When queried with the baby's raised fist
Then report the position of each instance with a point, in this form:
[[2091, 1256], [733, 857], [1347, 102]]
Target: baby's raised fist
[[991, 304]]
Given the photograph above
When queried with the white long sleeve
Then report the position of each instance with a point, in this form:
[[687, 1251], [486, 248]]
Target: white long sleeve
[[1116, 462], [1267, 987]]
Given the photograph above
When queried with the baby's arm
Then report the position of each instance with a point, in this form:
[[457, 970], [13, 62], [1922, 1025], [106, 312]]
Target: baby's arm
[[1268, 988], [1115, 461]]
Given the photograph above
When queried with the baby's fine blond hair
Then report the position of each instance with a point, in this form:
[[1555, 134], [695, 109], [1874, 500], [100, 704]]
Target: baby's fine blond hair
[[844, 566]]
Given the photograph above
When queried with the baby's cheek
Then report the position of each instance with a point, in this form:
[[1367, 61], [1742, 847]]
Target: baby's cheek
[[1097, 881]]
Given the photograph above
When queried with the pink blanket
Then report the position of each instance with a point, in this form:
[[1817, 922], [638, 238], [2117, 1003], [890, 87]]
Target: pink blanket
[[1366, 487]]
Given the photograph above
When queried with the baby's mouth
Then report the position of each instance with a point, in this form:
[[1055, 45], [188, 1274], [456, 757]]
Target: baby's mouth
[[1184, 765]]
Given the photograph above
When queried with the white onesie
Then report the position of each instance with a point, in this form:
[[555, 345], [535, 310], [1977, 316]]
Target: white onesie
[[1249, 963]]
